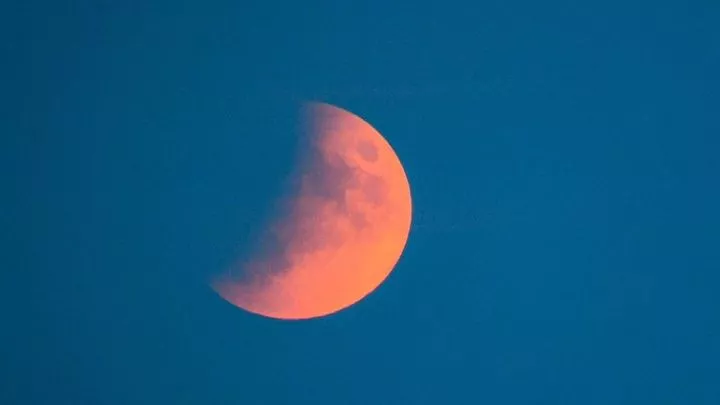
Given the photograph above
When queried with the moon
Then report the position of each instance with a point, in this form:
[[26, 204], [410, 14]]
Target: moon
[[342, 230]]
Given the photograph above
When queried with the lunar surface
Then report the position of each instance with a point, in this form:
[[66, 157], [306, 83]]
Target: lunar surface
[[341, 232]]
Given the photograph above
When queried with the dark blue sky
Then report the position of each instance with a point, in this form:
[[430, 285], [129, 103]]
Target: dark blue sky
[[563, 162]]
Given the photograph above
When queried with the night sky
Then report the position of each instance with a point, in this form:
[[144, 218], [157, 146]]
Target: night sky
[[563, 160]]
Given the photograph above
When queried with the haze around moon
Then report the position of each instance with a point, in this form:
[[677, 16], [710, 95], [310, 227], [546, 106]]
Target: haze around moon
[[341, 231]]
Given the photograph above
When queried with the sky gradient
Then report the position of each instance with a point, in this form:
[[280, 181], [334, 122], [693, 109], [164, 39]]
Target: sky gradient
[[562, 157]]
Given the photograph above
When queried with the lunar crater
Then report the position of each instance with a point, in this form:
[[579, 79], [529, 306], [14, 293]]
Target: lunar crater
[[367, 151]]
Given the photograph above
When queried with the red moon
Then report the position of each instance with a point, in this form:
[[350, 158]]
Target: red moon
[[345, 227]]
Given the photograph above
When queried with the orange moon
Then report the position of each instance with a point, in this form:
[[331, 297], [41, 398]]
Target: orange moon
[[343, 229]]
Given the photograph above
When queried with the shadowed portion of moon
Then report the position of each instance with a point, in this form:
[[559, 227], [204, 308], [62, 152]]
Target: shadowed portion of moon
[[340, 231]]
